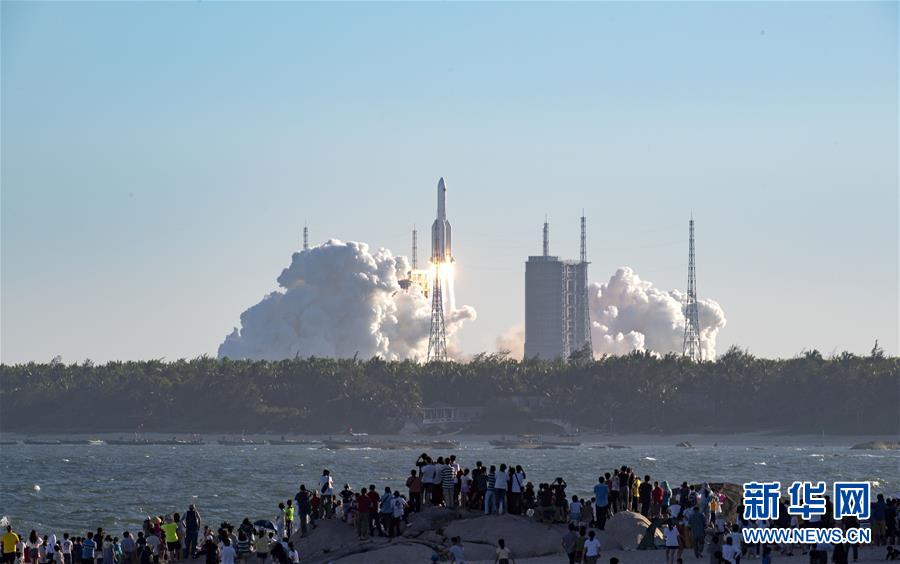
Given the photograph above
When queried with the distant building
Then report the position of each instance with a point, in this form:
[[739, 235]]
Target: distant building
[[447, 414], [556, 314]]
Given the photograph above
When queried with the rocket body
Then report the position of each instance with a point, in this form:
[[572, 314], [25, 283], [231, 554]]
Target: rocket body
[[441, 250]]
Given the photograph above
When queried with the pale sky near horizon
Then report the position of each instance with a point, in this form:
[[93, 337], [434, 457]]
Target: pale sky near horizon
[[159, 159]]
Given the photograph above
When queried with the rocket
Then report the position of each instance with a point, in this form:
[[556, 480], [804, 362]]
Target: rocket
[[440, 229]]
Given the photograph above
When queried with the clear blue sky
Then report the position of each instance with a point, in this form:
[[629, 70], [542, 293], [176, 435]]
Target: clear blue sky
[[159, 159]]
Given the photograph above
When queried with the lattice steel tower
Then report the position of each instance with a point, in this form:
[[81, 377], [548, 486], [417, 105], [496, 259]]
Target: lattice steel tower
[[437, 337], [305, 237], [584, 295], [691, 315], [415, 249], [441, 253]]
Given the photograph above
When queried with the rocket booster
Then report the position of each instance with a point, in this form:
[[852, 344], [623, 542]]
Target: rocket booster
[[440, 229]]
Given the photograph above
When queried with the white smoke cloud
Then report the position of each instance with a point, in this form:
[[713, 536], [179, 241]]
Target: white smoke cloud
[[629, 314], [513, 341], [339, 300]]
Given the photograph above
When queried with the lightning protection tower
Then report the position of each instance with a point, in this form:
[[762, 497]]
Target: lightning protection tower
[[691, 315]]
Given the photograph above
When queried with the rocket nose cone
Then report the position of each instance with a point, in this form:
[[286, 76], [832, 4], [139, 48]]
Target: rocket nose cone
[[441, 185]]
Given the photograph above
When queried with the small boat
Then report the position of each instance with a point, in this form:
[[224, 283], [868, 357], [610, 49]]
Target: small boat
[[524, 442], [79, 442], [42, 442], [443, 444], [562, 441], [363, 442], [285, 442], [8, 443], [243, 441]]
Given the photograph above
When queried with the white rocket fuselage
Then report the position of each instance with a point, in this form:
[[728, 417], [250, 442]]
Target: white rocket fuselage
[[441, 250]]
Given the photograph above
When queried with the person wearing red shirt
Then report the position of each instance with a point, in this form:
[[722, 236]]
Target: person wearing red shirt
[[414, 483], [362, 517], [656, 497], [374, 523]]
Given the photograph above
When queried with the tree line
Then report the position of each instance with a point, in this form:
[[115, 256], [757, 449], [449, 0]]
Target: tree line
[[635, 393]]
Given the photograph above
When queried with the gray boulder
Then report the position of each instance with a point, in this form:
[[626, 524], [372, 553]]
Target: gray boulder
[[524, 536], [625, 529]]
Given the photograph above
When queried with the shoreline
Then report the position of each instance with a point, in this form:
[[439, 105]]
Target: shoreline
[[587, 439]]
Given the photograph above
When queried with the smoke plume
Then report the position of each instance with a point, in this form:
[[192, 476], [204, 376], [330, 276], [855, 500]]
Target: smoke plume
[[340, 300], [629, 314]]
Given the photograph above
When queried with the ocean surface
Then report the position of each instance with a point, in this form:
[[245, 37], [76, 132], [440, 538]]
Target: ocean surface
[[59, 488]]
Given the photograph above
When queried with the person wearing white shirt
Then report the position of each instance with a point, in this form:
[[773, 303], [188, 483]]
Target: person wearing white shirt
[[517, 486], [427, 475], [675, 511], [731, 553], [575, 509], [501, 480], [293, 554], [591, 549], [227, 554], [326, 491], [670, 533], [66, 548]]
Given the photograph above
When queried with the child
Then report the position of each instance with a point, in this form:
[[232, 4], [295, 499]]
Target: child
[[575, 509], [293, 554], [457, 554], [289, 518]]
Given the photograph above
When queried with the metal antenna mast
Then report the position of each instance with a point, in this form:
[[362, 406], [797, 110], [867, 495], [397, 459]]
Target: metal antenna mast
[[305, 237], [691, 314], [583, 238], [415, 250], [546, 237], [585, 305]]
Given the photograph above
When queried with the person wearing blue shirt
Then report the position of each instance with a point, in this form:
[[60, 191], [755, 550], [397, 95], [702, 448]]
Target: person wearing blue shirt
[[87, 549], [601, 495]]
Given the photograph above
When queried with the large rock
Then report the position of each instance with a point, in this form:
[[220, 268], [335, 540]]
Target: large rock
[[876, 445], [329, 537], [433, 519], [625, 529], [392, 554], [524, 536]]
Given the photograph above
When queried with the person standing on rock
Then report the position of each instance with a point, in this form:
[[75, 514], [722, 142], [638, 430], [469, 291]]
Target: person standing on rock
[[414, 483], [601, 493], [364, 507], [569, 543], [501, 483], [504, 554], [614, 492], [489, 492], [326, 491], [448, 485], [645, 494], [457, 553], [427, 475], [516, 488], [697, 524], [437, 491], [396, 514], [591, 549]]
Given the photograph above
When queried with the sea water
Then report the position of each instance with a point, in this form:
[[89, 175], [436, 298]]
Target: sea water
[[61, 488]]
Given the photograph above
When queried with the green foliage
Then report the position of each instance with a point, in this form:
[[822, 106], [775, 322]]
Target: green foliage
[[638, 392]]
